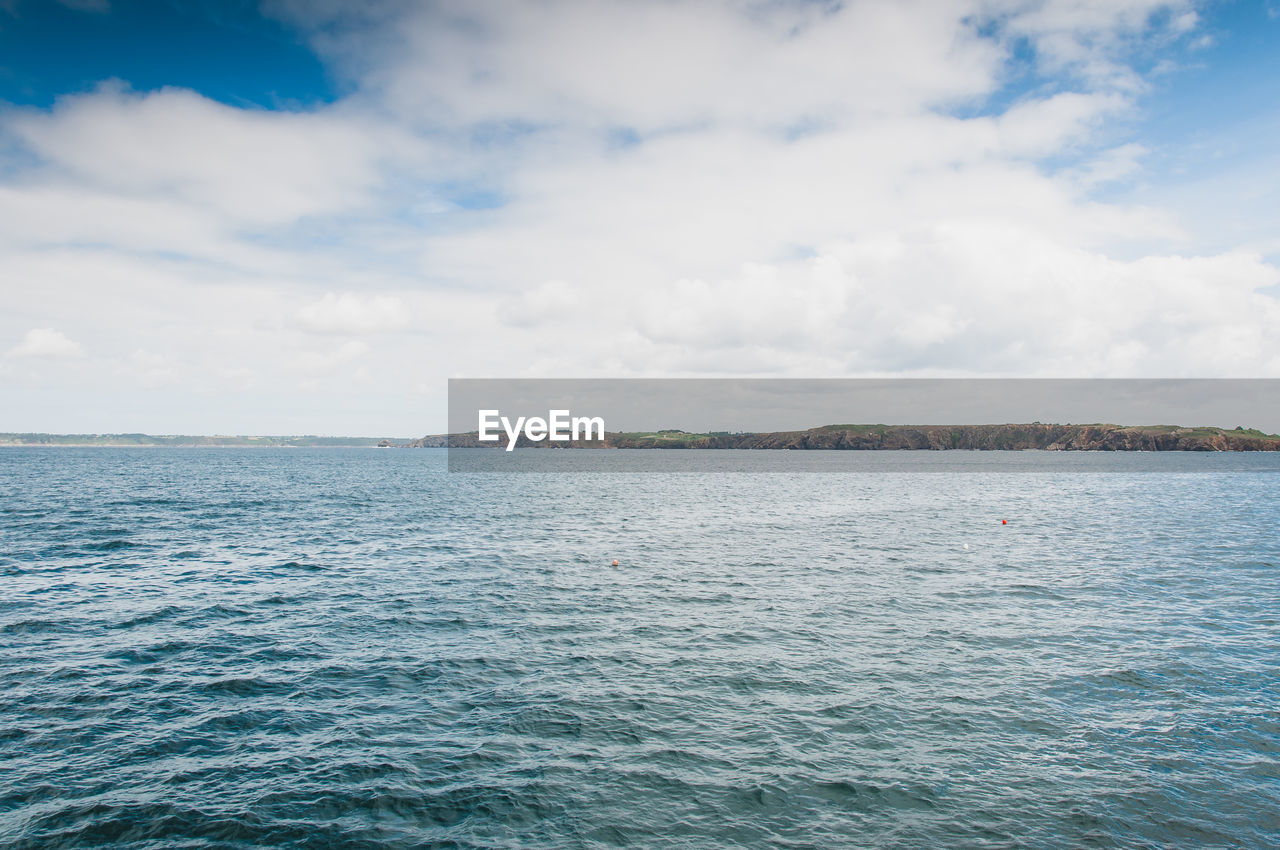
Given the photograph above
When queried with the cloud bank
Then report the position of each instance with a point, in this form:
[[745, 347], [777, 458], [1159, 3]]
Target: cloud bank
[[624, 189], [45, 342]]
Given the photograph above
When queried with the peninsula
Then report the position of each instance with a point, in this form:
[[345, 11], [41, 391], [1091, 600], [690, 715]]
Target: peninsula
[[1010, 437]]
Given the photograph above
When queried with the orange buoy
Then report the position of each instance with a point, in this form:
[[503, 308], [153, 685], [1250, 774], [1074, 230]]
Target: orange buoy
[[1004, 522]]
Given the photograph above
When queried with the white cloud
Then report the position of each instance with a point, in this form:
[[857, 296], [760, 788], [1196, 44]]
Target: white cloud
[[328, 362], [961, 298], [152, 370], [655, 66], [551, 301], [1185, 22], [1091, 37], [252, 168], [46, 342], [351, 313], [1110, 165]]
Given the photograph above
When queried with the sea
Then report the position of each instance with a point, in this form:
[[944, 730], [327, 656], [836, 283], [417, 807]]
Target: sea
[[323, 648]]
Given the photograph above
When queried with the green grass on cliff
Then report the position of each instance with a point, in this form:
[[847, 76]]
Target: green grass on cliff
[[1194, 431], [673, 438]]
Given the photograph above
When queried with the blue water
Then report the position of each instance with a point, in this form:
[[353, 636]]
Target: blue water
[[320, 648]]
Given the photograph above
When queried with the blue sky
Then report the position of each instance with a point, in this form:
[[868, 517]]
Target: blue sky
[[227, 51], [304, 217]]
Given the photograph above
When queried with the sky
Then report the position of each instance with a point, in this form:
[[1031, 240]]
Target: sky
[[303, 217]]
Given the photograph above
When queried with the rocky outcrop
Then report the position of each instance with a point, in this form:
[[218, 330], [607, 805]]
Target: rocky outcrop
[[1019, 437]]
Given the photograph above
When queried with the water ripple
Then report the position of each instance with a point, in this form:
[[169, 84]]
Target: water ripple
[[354, 648]]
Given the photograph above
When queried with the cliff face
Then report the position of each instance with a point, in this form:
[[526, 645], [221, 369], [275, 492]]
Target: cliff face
[[927, 437], [1017, 437]]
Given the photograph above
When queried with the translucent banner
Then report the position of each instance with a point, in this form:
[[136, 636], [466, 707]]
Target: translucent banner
[[860, 425]]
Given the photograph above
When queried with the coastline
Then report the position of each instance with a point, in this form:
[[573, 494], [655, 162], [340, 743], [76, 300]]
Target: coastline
[[1034, 436], [1003, 437], [190, 441]]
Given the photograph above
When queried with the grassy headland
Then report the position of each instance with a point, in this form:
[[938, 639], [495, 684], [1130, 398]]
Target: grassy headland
[[1008, 437]]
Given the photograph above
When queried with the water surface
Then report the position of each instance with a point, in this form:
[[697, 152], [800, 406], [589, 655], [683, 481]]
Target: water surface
[[318, 648]]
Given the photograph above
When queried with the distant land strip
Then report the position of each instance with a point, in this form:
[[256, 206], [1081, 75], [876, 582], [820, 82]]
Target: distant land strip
[[1036, 435], [193, 441]]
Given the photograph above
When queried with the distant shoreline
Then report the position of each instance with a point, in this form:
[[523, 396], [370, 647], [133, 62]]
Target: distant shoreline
[[151, 441], [1005, 437]]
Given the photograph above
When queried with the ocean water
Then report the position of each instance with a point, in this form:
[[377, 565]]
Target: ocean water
[[324, 648]]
